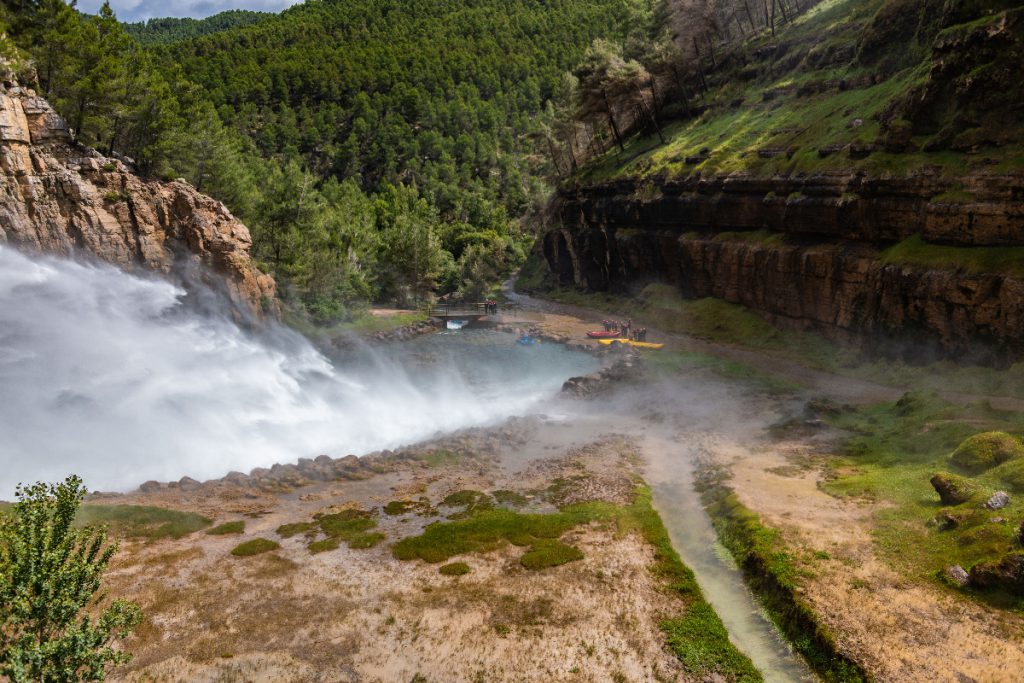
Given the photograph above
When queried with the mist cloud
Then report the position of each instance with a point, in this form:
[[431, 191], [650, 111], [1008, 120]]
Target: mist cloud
[[112, 377]]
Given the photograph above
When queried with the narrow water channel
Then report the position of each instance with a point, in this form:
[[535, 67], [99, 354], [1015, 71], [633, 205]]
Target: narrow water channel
[[670, 476]]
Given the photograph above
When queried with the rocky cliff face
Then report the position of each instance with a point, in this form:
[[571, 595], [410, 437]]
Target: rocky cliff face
[[61, 198], [826, 274]]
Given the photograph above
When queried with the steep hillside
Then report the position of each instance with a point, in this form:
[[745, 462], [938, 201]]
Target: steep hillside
[[860, 173], [62, 198]]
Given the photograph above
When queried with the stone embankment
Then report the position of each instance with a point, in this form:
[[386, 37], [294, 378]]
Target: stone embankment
[[806, 252], [62, 198]]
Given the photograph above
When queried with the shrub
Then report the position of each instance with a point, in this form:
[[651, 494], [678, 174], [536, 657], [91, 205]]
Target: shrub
[[454, 569], [236, 527], [50, 626], [986, 450], [254, 547]]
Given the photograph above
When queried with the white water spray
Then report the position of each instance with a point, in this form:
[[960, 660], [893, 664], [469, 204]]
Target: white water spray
[[107, 375]]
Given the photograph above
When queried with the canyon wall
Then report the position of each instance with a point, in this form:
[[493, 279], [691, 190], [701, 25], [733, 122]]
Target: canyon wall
[[805, 252], [61, 198]]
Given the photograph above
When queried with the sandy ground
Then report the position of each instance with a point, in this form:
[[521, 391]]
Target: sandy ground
[[361, 615], [898, 630]]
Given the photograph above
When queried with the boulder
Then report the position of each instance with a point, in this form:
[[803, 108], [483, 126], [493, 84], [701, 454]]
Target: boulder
[[1005, 574], [953, 489], [151, 486], [998, 501], [956, 575], [188, 484], [986, 450]]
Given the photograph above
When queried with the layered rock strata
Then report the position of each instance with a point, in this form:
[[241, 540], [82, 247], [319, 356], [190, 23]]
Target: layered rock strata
[[62, 198], [826, 273]]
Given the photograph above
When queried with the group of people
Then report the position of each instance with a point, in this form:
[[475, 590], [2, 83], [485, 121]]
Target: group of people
[[625, 329], [491, 307]]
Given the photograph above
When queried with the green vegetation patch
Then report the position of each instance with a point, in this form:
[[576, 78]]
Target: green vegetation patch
[[352, 527], [236, 527], [324, 545], [986, 450], [914, 251], [142, 521], [289, 530], [454, 569], [892, 452], [549, 553], [697, 637], [256, 546], [509, 498]]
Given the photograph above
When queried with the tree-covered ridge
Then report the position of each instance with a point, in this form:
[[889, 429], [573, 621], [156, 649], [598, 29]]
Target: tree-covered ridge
[[440, 93], [173, 29], [377, 150]]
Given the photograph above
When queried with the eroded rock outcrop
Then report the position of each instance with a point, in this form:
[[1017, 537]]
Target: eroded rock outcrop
[[827, 274], [61, 198]]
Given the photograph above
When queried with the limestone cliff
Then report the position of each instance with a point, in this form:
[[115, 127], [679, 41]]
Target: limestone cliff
[[62, 198], [819, 266]]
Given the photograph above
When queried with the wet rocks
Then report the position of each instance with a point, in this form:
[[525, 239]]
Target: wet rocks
[[623, 370], [998, 501], [953, 489]]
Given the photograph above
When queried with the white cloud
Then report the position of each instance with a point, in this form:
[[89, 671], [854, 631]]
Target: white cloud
[[140, 10]]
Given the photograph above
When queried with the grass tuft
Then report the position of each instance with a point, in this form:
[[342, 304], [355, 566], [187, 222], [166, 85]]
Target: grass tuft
[[454, 569], [256, 546], [549, 553], [236, 527], [142, 521], [289, 530]]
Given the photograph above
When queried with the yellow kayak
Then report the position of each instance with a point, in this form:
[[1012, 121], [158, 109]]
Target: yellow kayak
[[639, 345]]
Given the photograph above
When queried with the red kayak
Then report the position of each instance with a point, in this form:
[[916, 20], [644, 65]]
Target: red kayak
[[603, 334]]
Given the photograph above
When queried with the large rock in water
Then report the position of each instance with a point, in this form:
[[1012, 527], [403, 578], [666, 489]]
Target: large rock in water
[[62, 198]]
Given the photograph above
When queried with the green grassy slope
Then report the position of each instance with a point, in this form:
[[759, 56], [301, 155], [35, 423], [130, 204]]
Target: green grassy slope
[[920, 84]]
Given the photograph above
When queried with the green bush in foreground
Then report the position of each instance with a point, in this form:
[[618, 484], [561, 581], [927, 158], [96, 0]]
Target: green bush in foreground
[[987, 450], [254, 547], [454, 569], [236, 527], [50, 571]]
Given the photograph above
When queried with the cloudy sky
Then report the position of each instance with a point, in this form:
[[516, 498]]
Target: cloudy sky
[[139, 10]]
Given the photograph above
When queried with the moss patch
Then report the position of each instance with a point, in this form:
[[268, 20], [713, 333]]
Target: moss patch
[[454, 569], [256, 546], [696, 636], [986, 450], [549, 553], [289, 530], [142, 521], [236, 527]]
